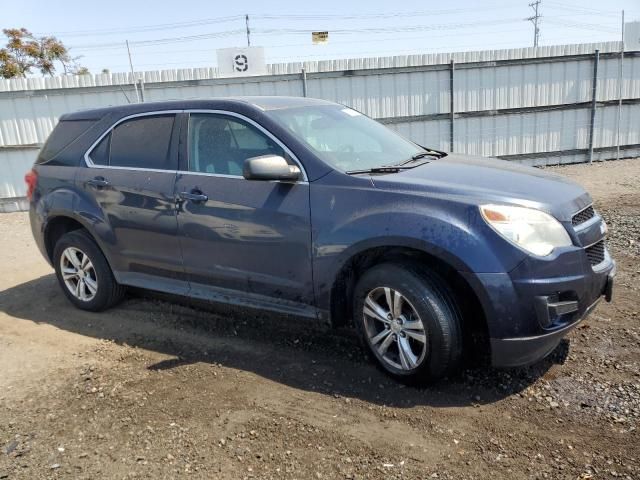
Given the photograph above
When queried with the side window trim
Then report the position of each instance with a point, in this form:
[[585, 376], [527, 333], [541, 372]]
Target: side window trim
[[254, 124], [107, 137], [90, 164]]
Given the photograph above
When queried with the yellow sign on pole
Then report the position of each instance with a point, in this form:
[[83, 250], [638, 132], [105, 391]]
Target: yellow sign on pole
[[319, 37]]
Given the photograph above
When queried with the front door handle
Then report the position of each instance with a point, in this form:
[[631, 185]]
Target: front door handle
[[98, 182], [195, 196]]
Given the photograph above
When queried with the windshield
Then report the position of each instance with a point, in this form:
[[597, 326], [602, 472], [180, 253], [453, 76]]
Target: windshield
[[344, 138]]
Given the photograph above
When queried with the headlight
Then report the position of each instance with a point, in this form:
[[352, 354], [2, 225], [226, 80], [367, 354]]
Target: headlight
[[533, 230]]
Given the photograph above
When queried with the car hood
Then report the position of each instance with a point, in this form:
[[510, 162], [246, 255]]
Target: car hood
[[489, 180]]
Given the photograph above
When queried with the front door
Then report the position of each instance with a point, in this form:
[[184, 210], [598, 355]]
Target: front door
[[131, 175], [245, 242]]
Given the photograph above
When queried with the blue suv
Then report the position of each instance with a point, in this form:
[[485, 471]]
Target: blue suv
[[310, 208]]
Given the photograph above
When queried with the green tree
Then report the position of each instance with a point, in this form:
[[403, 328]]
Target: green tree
[[25, 52]]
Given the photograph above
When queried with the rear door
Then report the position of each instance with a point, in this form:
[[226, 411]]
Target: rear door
[[131, 173], [246, 242]]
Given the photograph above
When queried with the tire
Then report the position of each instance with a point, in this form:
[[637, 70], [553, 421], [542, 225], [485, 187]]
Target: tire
[[426, 302], [98, 288]]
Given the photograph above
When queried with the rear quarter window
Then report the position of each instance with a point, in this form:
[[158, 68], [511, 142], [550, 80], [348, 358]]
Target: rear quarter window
[[63, 135], [100, 154]]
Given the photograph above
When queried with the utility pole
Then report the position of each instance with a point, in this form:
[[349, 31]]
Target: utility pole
[[534, 19], [133, 78], [246, 19]]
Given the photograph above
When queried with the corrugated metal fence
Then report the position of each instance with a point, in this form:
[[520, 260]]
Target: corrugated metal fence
[[529, 105]]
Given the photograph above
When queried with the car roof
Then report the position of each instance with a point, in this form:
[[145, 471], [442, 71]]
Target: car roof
[[260, 102]]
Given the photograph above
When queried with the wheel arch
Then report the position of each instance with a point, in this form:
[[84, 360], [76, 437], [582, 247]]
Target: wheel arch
[[475, 324], [59, 225]]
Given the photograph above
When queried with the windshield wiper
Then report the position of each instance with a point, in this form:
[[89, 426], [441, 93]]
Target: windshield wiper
[[420, 155], [396, 167], [383, 169], [431, 151], [386, 168]]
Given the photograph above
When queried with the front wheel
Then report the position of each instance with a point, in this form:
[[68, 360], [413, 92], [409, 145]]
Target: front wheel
[[84, 274], [409, 322]]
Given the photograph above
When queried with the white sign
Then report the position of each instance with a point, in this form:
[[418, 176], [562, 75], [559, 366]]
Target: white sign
[[632, 36], [240, 62]]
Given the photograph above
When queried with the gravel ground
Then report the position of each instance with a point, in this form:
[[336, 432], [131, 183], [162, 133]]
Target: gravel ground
[[158, 389]]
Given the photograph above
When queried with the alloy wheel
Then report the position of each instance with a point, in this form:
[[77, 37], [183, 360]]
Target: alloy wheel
[[78, 274], [394, 329]]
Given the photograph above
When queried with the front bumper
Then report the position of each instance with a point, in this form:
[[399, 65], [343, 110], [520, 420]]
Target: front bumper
[[515, 352], [556, 322], [530, 309]]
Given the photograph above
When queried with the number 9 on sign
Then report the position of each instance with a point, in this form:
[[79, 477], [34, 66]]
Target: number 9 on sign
[[240, 63]]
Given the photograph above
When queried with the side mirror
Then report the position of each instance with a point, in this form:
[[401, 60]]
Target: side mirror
[[269, 167]]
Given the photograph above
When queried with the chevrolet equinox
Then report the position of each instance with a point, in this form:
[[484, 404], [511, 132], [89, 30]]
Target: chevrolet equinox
[[310, 208]]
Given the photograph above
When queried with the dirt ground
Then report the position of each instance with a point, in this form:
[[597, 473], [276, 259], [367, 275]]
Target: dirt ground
[[157, 389]]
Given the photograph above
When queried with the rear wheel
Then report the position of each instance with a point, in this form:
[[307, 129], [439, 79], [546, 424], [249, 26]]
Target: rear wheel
[[408, 321], [84, 274]]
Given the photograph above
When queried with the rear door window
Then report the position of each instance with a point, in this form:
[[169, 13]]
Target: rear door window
[[138, 143]]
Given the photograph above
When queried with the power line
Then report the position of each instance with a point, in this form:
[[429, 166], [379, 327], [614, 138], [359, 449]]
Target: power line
[[297, 31], [146, 28], [398, 29], [267, 17], [579, 8], [385, 16], [347, 42], [367, 30], [159, 41], [451, 48], [302, 17], [343, 31], [584, 26]]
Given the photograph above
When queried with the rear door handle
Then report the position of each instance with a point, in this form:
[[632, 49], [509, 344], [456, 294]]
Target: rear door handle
[[195, 196], [98, 182]]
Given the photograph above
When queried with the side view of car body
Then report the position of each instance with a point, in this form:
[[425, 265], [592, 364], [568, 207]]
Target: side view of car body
[[310, 208]]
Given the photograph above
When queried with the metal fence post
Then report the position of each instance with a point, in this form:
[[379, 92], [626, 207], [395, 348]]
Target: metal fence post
[[451, 108], [304, 82], [141, 85], [594, 91], [620, 78]]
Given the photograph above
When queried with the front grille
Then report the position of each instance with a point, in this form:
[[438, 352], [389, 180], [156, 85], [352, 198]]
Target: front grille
[[595, 253], [583, 215]]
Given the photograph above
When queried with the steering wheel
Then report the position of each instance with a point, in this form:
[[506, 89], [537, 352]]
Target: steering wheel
[[345, 149]]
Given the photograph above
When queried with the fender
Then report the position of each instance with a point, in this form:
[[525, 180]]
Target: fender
[[449, 240], [69, 203], [351, 215]]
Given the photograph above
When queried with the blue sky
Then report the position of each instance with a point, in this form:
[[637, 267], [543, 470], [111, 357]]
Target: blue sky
[[361, 28]]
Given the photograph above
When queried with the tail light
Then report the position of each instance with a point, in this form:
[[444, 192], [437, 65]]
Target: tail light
[[31, 178]]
